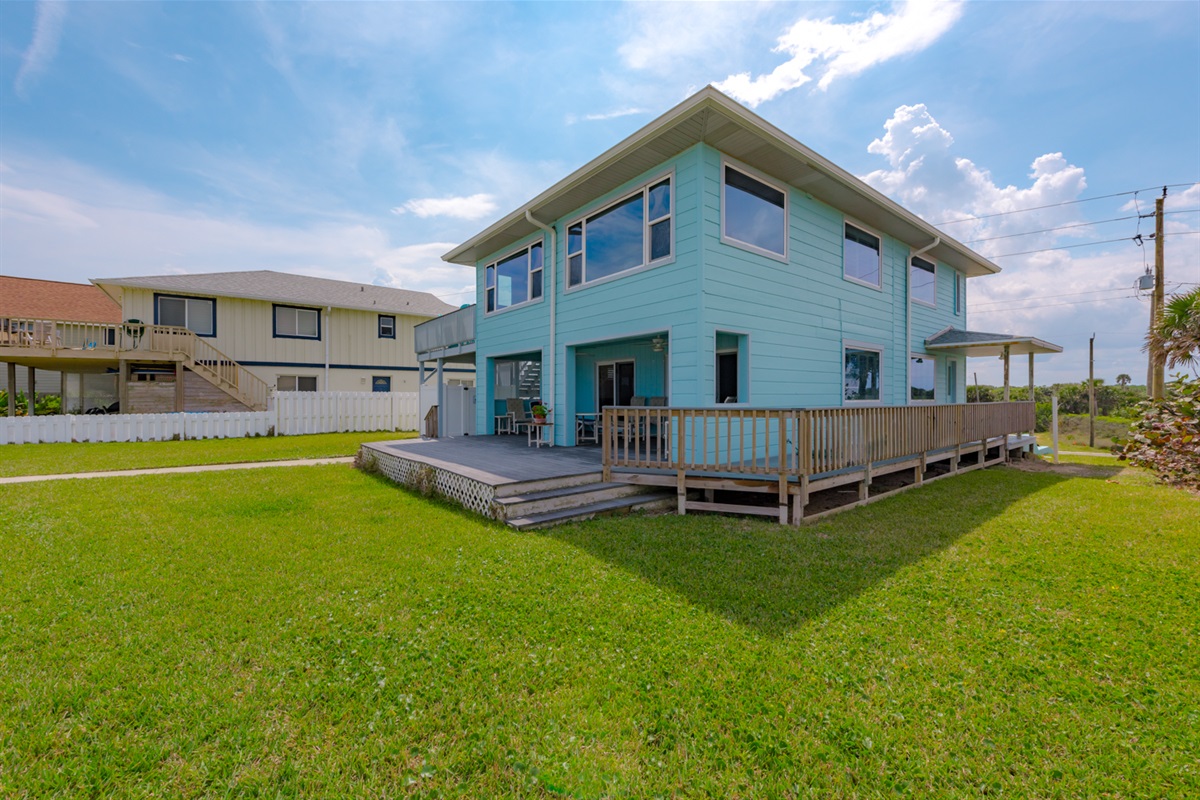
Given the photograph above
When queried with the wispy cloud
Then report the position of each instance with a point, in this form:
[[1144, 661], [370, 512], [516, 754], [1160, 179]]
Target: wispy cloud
[[47, 30], [603, 115], [837, 50], [77, 223], [475, 206]]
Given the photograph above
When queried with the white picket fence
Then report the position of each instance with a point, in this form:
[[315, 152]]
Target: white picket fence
[[292, 413]]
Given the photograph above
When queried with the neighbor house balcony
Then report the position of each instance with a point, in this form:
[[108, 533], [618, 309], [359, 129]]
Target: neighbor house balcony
[[448, 336]]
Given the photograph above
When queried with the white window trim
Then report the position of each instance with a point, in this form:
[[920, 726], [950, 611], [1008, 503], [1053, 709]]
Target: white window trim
[[959, 303], [296, 378], [918, 300], [787, 210], [717, 351], [865, 229], [854, 344], [910, 399], [493, 262], [643, 188]]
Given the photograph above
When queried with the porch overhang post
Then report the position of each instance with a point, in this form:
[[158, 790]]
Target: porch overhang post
[[1031, 377], [441, 395], [31, 393], [12, 389], [1006, 390]]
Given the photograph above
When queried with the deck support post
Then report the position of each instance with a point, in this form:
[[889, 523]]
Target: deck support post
[[801, 501], [783, 499], [31, 391], [957, 458], [681, 491], [983, 452], [123, 387], [12, 389], [179, 386], [920, 476]]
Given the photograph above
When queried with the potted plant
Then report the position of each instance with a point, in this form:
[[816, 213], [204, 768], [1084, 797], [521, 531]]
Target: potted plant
[[539, 412]]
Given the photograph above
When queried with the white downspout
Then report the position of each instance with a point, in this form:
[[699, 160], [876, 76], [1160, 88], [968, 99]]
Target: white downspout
[[328, 317], [908, 319], [553, 267]]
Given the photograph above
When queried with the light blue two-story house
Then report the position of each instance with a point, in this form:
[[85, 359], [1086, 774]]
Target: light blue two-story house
[[710, 259]]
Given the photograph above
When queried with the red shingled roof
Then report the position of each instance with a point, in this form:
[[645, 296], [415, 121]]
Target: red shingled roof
[[71, 302]]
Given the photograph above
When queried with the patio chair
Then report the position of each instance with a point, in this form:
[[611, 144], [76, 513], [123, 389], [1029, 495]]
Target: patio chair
[[638, 401], [518, 413], [658, 402]]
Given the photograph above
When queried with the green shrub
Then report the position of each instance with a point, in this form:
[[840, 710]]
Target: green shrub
[[1166, 439]]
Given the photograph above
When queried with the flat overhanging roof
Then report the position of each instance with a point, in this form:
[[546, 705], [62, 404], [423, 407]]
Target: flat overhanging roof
[[978, 343], [714, 119]]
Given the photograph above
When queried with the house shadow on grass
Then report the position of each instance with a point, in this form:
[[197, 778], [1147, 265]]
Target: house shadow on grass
[[773, 578]]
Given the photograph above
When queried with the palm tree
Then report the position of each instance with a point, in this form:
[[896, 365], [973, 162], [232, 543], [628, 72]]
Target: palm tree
[[1177, 333], [1123, 379]]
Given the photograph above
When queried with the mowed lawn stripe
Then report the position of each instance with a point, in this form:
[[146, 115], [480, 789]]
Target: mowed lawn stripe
[[321, 632]]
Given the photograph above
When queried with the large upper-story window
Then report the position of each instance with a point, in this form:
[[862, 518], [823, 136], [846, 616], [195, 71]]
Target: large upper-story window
[[922, 277], [753, 213], [197, 314], [633, 232], [294, 322], [515, 279], [862, 256]]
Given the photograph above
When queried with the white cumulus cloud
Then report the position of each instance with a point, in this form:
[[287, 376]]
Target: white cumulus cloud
[[836, 50], [475, 206]]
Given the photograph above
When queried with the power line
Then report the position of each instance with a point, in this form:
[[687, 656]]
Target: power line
[[1078, 225], [1064, 203], [1052, 296], [1070, 303], [1091, 244]]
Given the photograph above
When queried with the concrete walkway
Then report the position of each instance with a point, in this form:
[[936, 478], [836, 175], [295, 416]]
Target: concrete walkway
[[301, 462]]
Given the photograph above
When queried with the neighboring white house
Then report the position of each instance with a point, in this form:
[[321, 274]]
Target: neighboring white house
[[223, 341]]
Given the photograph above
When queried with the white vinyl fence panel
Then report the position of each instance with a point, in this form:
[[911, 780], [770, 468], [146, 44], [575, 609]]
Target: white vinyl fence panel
[[334, 412], [292, 413], [134, 427]]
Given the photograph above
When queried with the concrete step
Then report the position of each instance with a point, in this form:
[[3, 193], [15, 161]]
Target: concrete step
[[653, 501], [547, 484], [524, 505]]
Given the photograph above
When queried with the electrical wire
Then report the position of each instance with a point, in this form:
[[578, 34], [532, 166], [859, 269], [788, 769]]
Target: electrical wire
[[1054, 296], [1065, 203], [1093, 244], [970, 308]]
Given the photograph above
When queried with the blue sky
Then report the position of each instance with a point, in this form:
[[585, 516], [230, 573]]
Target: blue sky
[[361, 141]]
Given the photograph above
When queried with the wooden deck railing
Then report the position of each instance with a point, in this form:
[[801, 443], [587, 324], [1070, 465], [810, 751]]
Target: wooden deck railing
[[796, 442], [132, 339]]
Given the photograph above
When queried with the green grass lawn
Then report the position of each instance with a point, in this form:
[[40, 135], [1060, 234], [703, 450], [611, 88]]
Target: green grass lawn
[[318, 632], [56, 459], [1073, 433]]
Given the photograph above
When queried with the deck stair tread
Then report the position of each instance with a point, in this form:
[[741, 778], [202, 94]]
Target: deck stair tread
[[642, 501], [565, 491]]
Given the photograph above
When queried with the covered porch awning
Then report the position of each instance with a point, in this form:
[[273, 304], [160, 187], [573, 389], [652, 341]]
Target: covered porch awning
[[1002, 345]]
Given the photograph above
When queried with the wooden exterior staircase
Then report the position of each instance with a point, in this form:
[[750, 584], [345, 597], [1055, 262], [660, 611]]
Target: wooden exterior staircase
[[206, 361]]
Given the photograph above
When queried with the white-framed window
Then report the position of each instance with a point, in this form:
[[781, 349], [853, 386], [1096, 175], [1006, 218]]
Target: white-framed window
[[862, 256], [960, 293], [515, 279], [922, 281], [922, 378], [197, 314], [296, 383], [387, 326], [294, 322], [862, 373], [754, 213], [636, 231]]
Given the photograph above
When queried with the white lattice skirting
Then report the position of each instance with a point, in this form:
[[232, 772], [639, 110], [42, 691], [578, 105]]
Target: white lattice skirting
[[470, 494]]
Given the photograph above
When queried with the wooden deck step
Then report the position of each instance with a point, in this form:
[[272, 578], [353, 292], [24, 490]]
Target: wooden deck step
[[644, 501], [524, 505], [518, 488]]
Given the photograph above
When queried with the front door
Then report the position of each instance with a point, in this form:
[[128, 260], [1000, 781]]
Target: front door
[[614, 384]]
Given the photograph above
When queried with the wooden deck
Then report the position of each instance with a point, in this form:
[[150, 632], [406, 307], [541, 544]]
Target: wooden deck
[[497, 460]]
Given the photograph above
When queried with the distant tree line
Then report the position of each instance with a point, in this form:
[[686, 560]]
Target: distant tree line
[[1111, 400]]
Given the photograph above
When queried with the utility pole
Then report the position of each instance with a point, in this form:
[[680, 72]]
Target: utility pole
[[1156, 355], [1092, 391]]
